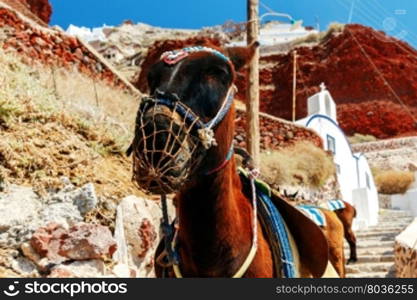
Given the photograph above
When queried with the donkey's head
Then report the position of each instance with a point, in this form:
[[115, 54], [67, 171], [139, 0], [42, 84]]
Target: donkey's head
[[188, 113]]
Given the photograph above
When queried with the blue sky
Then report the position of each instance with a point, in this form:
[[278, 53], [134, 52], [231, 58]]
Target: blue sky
[[397, 18]]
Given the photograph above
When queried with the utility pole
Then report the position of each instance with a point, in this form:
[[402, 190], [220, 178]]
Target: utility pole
[[252, 92], [294, 87]]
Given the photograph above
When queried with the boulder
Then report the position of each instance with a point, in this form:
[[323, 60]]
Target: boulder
[[87, 241], [19, 207], [54, 245], [46, 242], [79, 269], [137, 233], [85, 198], [65, 214], [22, 211]]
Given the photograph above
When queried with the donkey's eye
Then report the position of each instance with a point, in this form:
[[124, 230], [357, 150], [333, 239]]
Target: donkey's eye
[[220, 71]]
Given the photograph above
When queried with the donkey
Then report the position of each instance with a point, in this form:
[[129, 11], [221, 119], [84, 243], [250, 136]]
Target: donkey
[[214, 235], [334, 230], [346, 216]]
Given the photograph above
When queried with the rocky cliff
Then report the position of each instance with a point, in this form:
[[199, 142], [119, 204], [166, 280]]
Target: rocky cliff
[[39, 11], [371, 76], [41, 8]]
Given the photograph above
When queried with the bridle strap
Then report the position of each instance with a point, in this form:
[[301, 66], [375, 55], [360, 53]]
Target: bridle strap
[[224, 109], [224, 163]]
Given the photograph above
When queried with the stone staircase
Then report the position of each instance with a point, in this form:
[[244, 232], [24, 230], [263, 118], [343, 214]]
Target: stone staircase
[[375, 246]]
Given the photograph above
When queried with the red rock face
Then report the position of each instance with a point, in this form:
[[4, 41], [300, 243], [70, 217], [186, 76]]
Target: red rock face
[[82, 241], [365, 102], [41, 8], [355, 65], [38, 10], [56, 49]]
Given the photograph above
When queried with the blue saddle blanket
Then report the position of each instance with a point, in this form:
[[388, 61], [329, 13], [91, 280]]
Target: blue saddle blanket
[[276, 230], [314, 213], [335, 205]]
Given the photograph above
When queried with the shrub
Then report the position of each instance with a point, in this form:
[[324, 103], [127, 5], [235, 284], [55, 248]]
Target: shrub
[[358, 138], [393, 182], [314, 38], [301, 164]]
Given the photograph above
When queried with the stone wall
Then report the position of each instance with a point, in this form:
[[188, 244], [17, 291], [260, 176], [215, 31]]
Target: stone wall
[[390, 144], [406, 252], [275, 133]]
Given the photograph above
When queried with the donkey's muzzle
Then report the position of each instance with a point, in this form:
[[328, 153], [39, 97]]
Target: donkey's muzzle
[[163, 150]]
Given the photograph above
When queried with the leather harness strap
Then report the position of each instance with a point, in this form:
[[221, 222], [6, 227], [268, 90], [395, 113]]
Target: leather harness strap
[[254, 248]]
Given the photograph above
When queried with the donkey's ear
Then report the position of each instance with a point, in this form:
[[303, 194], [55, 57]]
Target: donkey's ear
[[241, 56]]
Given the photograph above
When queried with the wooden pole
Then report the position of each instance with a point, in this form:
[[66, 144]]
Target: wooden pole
[[294, 89], [252, 92]]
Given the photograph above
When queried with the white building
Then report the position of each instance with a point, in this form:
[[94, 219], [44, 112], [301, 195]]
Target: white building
[[279, 33], [406, 201], [353, 172], [87, 34]]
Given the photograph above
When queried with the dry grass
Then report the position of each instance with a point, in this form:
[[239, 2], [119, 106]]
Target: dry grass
[[316, 38], [44, 136], [300, 164], [95, 101], [392, 181], [358, 138]]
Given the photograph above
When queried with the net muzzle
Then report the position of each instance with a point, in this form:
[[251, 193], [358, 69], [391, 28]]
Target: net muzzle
[[170, 142]]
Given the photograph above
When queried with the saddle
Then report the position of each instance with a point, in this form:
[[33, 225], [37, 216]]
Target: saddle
[[314, 213], [291, 234], [334, 205], [309, 239]]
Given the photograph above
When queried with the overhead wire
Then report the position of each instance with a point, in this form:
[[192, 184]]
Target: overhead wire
[[382, 76]]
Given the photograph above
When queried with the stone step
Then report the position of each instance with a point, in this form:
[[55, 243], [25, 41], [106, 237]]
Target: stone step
[[394, 222], [371, 251], [392, 212], [369, 267], [372, 275], [385, 223], [374, 258], [382, 229], [395, 219], [373, 244], [376, 235]]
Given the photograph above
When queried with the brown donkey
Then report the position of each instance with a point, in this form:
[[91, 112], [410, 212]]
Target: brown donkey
[[216, 221], [346, 216], [334, 234]]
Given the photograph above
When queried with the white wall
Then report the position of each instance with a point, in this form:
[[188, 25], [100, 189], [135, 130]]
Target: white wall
[[343, 157], [407, 201], [366, 181], [322, 104], [354, 174]]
